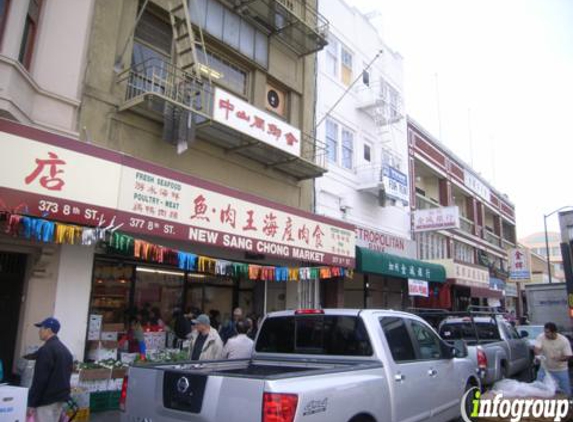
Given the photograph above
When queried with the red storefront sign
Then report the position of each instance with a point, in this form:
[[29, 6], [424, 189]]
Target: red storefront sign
[[46, 175]]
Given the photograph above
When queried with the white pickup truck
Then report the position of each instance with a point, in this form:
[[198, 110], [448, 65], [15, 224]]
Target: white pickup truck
[[313, 365]]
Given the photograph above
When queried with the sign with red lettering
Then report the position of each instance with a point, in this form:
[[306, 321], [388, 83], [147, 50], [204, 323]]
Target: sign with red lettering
[[240, 115], [418, 288], [519, 268], [67, 180], [436, 219]]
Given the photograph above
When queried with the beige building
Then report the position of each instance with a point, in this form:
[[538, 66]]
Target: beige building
[[536, 243], [189, 134], [42, 64]]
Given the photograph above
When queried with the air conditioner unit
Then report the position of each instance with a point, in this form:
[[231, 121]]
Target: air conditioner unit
[[275, 100]]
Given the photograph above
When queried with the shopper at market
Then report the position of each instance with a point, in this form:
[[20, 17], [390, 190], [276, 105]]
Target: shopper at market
[[556, 350], [181, 325], [155, 318], [51, 383], [205, 341], [240, 346], [228, 329]]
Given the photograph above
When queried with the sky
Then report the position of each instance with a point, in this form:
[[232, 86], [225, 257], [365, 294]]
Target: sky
[[493, 80]]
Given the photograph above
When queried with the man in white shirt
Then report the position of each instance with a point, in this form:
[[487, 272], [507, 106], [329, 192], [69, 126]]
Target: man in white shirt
[[240, 346], [557, 351]]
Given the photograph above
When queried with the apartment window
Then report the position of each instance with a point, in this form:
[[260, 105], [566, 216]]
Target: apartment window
[[555, 252], [332, 140], [346, 68], [30, 33], [232, 76], [367, 152], [464, 253], [432, 245], [4, 7], [332, 56], [347, 148], [232, 29]]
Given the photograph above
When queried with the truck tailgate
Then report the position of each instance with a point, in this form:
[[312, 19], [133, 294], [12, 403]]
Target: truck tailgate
[[172, 395]]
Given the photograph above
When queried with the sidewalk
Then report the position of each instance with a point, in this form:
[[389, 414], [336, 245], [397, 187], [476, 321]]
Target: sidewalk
[[111, 416]]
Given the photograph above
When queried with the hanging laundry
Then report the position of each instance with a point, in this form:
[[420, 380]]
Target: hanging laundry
[[293, 274], [206, 265], [325, 272], [281, 274], [268, 273], [254, 272], [13, 226], [221, 267], [240, 270]]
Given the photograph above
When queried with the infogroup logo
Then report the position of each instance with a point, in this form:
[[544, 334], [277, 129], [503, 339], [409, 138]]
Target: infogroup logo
[[514, 409]]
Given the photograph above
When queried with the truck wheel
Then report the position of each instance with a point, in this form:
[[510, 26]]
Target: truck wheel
[[362, 418]]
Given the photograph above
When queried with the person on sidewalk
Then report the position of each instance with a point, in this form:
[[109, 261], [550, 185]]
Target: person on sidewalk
[[51, 383], [557, 351], [228, 329], [205, 343], [240, 346]]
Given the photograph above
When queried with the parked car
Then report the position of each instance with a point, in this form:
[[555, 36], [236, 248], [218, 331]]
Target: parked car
[[330, 365], [494, 345]]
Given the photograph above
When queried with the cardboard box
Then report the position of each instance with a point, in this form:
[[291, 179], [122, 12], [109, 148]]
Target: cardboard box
[[119, 373], [94, 374], [13, 403], [113, 327]]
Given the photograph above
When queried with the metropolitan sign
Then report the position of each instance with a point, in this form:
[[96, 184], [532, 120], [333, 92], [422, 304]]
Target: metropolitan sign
[[46, 175], [437, 219]]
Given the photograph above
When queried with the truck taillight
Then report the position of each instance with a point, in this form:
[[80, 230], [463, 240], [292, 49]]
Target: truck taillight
[[309, 312], [123, 396], [481, 358], [279, 407]]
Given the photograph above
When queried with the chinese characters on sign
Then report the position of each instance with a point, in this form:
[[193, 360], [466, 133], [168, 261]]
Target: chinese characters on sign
[[437, 219], [418, 288], [84, 184], [519, 264], [411, 270], [471, 276], [242, 116], [395, 184]]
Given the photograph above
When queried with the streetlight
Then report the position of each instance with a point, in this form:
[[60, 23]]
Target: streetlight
[[547, 239]]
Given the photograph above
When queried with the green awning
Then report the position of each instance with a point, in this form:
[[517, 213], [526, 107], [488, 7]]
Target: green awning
[[368, 261]]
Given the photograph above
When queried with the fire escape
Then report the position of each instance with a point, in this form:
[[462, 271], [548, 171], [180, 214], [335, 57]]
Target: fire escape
[[181, 93]]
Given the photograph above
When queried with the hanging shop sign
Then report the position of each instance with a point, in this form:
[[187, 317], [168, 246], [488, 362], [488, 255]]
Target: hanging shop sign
[[395, 184], [436, 219], [465, 275], [235, 113], [380, 241], [519, 267], [63, 179], [418, 288]]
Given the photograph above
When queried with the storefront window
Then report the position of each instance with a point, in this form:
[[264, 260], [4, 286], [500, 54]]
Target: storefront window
[[110, 293], [161, 289]]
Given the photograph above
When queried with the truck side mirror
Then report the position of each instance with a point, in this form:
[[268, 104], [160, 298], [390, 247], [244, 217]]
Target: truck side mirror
[[459, 349], [523, 334]]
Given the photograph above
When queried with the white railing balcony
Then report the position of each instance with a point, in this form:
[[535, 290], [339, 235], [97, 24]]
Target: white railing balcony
[[492, 238], [466, 225], [381, 102], [424, 203], [369, 178]]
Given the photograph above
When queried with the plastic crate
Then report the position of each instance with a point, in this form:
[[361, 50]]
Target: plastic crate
[[113, 402], [99, 401]]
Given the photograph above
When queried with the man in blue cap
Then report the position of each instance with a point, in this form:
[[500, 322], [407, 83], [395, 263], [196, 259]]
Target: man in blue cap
[[51, 383]]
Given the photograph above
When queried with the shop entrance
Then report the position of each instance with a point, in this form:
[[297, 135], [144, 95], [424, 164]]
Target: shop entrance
[[12, 271]]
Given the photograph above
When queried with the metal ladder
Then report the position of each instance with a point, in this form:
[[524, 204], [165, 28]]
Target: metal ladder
[[187, 42]]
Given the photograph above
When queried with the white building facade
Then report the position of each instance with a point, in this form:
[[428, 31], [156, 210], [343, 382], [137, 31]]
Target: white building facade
[[361, 119]]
